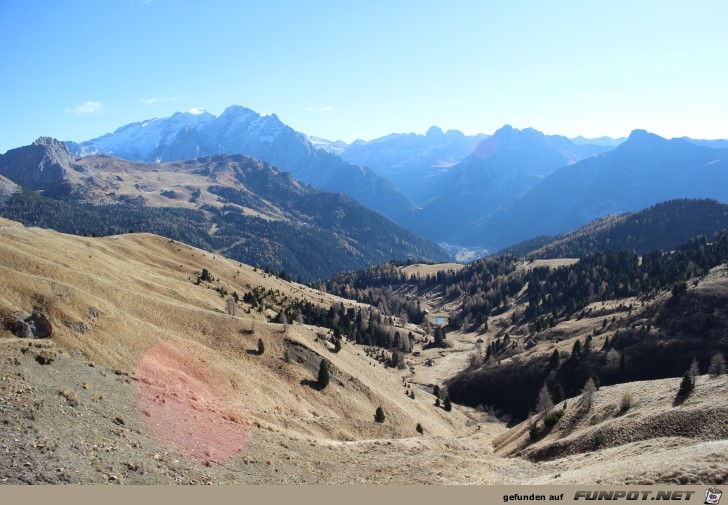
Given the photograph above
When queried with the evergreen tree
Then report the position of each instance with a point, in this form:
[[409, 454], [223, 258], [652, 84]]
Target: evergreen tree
[[323, 374], [419, 429], [436, 391], [558, 394], [379, 415], [261, 347], [686, 385], [337, 345], [447, 404], [605, 346], [576, 350], [439, 337], [555, 359]]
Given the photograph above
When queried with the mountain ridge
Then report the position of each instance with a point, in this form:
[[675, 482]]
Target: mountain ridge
[[642, 171], [239, 130], [232, 203]]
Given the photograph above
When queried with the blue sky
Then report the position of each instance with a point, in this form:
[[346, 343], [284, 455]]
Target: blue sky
[[361, 69]]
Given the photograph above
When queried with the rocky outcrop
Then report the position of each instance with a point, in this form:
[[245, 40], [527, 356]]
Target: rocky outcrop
[[45, 165], [7, 188], [37, 325]]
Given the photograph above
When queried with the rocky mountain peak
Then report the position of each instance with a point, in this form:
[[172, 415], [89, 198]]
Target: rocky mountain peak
[[43, 165]]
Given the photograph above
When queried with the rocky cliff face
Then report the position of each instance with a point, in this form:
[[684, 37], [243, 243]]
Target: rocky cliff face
[[45, 165], [7, 188]]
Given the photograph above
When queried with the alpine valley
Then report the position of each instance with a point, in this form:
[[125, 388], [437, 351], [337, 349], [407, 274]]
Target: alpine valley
[[198, 299]]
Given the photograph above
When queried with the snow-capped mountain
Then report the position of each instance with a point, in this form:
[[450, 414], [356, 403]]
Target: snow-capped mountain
[[331, 146], [239, 130]]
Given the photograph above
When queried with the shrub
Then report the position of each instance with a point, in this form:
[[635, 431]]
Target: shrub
[[379, 415], [552, 418], [534, 431], [419, 429], [626, 402]]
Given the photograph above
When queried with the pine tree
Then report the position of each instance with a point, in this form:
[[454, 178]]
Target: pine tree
[[323, 374], [605, 346], [436, 391], [379, 415], [694, 370], [337, 345], [448, 404], [555, 359], [576, 350], [420, 429], [544, 403], [261, 347], [717, 365], [588, 392], [686, 385]]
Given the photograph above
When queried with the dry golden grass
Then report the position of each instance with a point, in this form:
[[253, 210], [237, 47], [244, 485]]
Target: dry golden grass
[[135, 294], [421, 269], [555, 263], [8, 223], [134, 291]]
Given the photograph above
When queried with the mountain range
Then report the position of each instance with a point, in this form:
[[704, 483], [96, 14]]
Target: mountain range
[[413, 162], [642, 171], [229, 204], [480, 191], [239, 130], [502, 168]]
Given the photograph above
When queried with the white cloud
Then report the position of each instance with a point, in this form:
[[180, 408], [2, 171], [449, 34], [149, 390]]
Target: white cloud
[[196, 110], [86, 108], [155, 99]]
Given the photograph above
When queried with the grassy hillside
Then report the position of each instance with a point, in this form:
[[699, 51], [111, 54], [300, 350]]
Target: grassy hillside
[[153, 374]]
